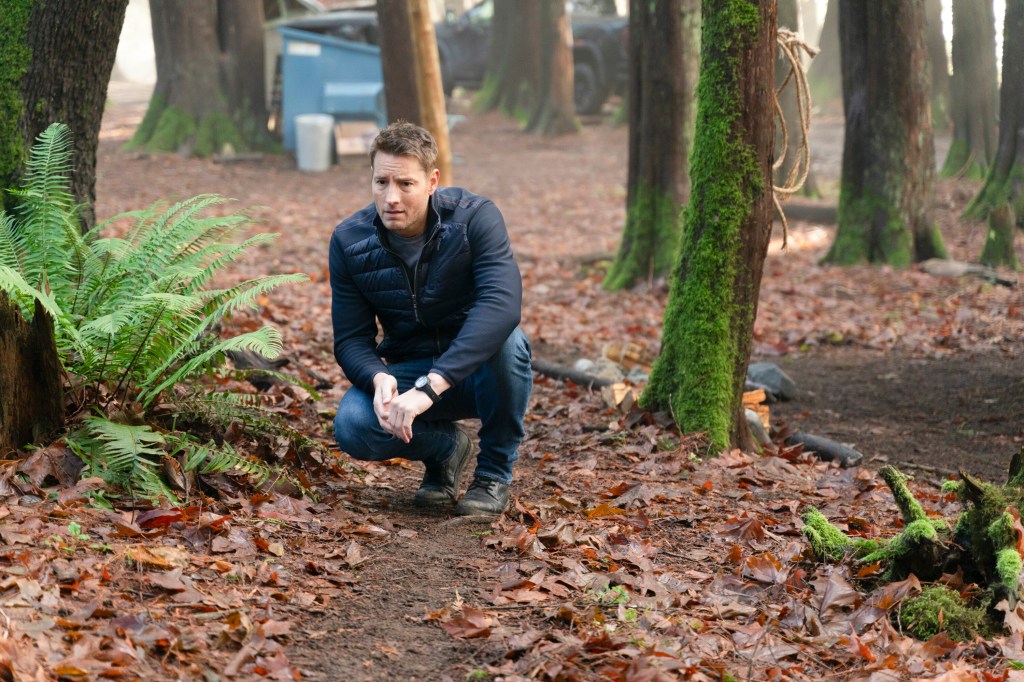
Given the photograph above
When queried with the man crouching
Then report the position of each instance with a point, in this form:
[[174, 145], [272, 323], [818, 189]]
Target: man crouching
[[434, 266]]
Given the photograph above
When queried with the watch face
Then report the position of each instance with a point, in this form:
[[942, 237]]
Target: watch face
[[421, 382]]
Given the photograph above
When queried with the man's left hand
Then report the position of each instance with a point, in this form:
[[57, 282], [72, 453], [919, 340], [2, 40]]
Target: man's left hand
[[404, 409]]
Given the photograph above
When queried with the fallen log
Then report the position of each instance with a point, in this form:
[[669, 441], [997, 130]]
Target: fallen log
[[826, 449]]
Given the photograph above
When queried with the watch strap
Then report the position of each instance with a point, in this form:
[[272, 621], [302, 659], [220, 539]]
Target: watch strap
[[423, 384]]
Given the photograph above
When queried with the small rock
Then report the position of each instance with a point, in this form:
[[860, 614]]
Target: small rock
[[583, 365], [606, 369], [756, 427], [775, 379]]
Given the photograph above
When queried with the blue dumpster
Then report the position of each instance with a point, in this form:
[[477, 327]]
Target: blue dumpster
[[322, 74]]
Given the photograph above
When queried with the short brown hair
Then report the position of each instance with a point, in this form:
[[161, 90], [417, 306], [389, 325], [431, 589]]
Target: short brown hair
[[402, 138]]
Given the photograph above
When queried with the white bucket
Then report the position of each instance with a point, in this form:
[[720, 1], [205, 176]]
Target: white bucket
[[314, 139]]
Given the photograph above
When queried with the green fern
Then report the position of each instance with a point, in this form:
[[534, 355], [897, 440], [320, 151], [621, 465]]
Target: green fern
[[133, 315]]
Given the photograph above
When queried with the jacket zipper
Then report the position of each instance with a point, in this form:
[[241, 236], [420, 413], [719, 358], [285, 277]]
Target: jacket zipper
[[411, 282]]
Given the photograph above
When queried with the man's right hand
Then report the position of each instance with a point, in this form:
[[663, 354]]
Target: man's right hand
[[385, 388]]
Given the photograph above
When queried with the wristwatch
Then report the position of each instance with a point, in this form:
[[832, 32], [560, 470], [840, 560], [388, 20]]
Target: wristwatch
[[423, 384]]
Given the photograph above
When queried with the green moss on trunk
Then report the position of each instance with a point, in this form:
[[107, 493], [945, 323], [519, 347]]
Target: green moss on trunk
[[999, 190], [870, 231], [142, 135], [216, 131], [998, 249], [15, 57], [649, 240], [962, 163], [694, 375]]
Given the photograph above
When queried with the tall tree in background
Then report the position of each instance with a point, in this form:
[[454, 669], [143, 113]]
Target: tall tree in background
[[427, 66], [789, 17], [512, 83], [553, 112], [888, 173], [1001, 199], [974, 90], [709, 319], [663, 41], [825, 74], [397, 53], [938, 60], [55, 63], [210, 92]]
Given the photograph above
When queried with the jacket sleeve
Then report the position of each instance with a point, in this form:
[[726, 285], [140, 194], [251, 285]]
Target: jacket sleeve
[[497, 300], [355, 325]]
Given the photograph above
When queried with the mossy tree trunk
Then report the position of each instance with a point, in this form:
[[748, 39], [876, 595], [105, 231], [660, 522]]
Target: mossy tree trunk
[[825, 75], [512, 83], [427, 66], [709, 318], [553, 112], [974, 91], [1004, 185], [790, 18], [998, 248], [938, 60], [55, 63], [888, 173], [209, 95], [401, 90], [661, 119]]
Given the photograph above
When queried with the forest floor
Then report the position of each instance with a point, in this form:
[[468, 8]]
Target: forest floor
[[626, 554]]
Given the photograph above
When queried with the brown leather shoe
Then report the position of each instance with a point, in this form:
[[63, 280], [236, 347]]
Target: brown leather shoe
[[485, 496]]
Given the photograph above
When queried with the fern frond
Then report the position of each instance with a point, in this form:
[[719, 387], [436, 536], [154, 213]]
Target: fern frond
[[12, 243], [210, 458], [266, 341], [120, 449], [224, 302]]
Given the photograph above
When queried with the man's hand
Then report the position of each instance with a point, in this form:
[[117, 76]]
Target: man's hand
[[385, 388], [396, 413]]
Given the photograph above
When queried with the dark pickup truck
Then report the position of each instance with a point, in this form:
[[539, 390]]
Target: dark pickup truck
[[599, 53]]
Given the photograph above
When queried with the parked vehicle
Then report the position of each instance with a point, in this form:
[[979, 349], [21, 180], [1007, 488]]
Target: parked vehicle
[[464, 43]]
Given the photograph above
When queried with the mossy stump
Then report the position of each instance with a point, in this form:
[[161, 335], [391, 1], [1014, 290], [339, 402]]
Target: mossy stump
[[984, 545]]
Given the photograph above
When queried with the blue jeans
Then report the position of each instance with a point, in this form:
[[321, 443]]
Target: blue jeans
[[497, 393]]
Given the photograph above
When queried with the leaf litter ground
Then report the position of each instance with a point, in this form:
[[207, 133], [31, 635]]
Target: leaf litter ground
[[627, 555]]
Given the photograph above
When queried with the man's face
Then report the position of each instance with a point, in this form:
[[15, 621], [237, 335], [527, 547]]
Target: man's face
[[401, 193]]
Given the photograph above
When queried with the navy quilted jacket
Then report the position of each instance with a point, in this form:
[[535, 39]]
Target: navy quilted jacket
[[459, 306]]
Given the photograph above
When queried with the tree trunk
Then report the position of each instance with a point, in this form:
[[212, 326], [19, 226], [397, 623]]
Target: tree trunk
[[938, 62], [998, 248], [1004, 184], [825, 75], [31, 402], [888, 173], [708, 326], [553, 112], [55, 63], [661, 116], [789, 17], [974, 91], [431, 90], [512, 84], [401, 89], [209, 96]]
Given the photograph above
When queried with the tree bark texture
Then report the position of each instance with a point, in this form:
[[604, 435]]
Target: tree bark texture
[[974, 91], [709, 318], [661, 116], [431, 91], [998, 249], [938, 61], [888, 172], [825, 74], [31, 402], [209, 95], [789, 17], [512, 83], [55, 63], [1005, 181], [401, 89], [553, 112]]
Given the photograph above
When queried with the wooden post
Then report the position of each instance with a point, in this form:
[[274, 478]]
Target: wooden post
[[431, 90]]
